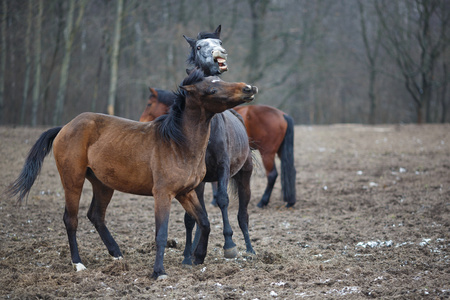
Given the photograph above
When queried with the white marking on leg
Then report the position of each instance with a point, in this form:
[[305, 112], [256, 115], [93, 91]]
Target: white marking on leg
[[78, 267], [118, 258]]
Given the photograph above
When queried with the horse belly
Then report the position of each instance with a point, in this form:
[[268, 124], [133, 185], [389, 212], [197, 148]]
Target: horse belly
[[125, 179]]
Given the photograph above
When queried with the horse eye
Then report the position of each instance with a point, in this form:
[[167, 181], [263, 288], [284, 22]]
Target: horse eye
[[198, 47], [212, 91], [220, 43]]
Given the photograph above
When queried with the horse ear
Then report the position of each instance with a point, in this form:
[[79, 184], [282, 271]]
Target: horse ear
[[189, 71], [191, 41], [152, 91], [217, 32], [187, 88]]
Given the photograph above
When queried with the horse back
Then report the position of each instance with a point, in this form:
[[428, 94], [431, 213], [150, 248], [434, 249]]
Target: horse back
[[228, 141], [115, 149], [266, 126]]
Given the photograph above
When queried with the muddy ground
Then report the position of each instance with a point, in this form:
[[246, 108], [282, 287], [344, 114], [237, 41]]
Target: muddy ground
[[371, 221]]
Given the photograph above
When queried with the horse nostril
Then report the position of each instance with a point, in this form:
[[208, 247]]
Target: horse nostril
[[247, 89]]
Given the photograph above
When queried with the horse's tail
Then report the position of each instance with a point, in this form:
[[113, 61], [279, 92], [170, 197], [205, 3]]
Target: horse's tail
[[288, 172], [30, 171]]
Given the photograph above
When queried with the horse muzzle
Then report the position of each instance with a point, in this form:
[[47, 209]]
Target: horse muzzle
[[252, 91], [220, 57]]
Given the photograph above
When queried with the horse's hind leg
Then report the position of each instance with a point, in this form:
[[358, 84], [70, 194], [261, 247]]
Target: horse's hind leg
[[189, 223], [272, 174], [193, 207], [101, 197], [242, 179], [72, 194]]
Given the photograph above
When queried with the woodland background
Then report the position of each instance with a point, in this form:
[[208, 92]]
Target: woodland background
[[321, 61]]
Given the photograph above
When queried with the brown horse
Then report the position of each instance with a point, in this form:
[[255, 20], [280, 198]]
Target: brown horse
[[164, 159], [271, 131]]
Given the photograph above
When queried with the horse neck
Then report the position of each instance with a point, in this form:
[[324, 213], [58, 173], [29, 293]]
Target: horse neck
[[205, 70], [196, 126]]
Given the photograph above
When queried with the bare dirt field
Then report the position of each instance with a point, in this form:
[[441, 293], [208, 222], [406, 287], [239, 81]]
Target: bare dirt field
[[371, 221]]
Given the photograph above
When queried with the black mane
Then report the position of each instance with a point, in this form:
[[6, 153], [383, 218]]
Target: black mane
[[210, 35], [169, 126]]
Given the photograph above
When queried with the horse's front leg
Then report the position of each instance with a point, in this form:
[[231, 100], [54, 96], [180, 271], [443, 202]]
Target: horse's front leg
[[193, 207], [242, 179], [214, 190], [162, 212]]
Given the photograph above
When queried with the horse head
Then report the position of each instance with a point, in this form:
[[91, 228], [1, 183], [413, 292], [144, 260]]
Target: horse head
[[207, 52], [158, 104], [216, 95]]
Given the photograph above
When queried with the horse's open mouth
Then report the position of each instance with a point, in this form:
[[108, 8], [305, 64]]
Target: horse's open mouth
[[222, 64], [249, 98], [221, 59]]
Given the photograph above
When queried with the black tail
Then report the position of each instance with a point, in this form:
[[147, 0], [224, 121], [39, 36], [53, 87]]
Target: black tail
[[22, 185], [288, 172]]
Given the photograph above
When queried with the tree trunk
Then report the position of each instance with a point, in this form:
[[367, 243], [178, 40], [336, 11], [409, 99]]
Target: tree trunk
[[444, 92], [99, 73], [37, 64], [50, 76], [3, 61], [115, 59], [258, 11], [371, 54], [27, 63], [64, 74], [69, 33]]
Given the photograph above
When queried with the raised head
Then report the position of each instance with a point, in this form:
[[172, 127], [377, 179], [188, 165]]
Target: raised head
[[207, 52], [216, 95], [158, 104]]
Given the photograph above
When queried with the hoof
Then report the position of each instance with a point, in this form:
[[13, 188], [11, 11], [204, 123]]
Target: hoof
[[261, 205], [249, 255], [78, 267], [118, 258], [290, 205], [162, 277], [187, 262], [230, 253]]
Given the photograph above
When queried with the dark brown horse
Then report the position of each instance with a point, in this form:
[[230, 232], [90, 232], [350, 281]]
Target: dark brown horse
[[164, 159], [271, 131]]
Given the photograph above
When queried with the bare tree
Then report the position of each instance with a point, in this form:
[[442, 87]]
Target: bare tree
[[37, 64], [258, 10], [371, 47], [69, 33], [3, 59], [115, 58], [416, 36], [27, 62], [54, 57]]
